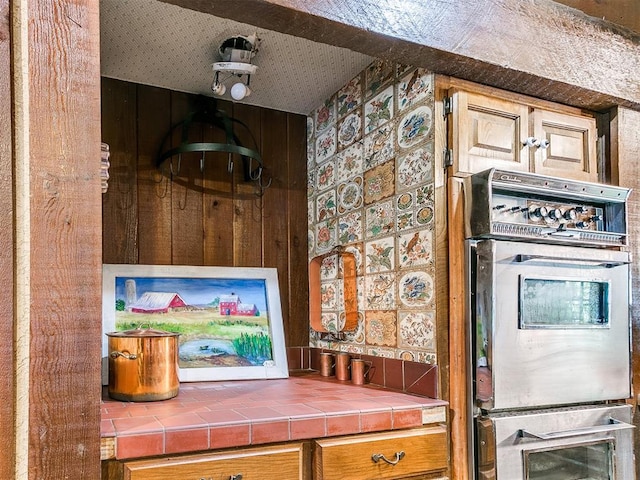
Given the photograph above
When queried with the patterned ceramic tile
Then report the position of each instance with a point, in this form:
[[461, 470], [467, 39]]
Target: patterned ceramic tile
[[350, 162], [326, 205], [406, 355], [381, 352], [310, 128], [405, 220], [415, 167], [402, 69], [356, 335], [379, 146], [424, 194], [415, 249], [311, 242], [380, 328], [329, 295], [350, 129], [427, 357], [326, 175], [380, 219], [414, 127], [380, 255], [379, 183], [311, 182], [378, 110], [356, 250], [350, 227], [350, 96], [326, 235], [380, 291], [414, 87], [416, 329], [350, 195], [329, 268], [329, 321], [311, 212], [325, 145], [377, 75], [424, 215], [416, 288], [325, 116]]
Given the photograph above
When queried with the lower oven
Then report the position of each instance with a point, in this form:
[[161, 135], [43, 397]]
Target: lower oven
[[571, 443]]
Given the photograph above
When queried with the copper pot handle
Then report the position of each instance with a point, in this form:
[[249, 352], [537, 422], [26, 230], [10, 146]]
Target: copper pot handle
[[127, 355]]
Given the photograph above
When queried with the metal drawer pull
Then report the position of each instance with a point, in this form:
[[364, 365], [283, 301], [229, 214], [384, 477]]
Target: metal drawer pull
[[609, 427], [376, 457], [521, 258]]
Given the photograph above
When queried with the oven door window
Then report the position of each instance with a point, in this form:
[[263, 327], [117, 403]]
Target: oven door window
[[591, 461], [563, 303]]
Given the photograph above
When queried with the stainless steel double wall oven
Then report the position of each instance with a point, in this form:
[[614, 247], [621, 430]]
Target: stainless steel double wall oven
[[549, 322]]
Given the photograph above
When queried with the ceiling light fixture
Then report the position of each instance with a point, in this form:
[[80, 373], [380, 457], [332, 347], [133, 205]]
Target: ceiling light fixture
[[236, 54]]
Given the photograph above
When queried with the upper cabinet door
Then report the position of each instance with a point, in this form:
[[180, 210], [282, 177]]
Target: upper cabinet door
[[487, 132], [567, 145]]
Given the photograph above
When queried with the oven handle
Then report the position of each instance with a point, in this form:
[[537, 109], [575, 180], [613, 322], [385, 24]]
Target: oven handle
[[521, 258], [613, 425]]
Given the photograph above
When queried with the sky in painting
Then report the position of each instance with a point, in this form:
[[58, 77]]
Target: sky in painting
[[199, 291]]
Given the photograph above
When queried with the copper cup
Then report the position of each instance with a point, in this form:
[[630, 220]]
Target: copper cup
[[326, 364], [342, 366], [359, 371]]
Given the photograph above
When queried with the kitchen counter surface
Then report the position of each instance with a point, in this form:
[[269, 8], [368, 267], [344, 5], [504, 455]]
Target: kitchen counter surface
[[212, 415]]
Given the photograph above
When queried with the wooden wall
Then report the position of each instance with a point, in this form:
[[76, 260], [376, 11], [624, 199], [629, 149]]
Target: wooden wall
[[208, 217]]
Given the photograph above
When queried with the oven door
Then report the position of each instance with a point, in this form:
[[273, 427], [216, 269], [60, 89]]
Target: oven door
[[589, 443], [551, 325]]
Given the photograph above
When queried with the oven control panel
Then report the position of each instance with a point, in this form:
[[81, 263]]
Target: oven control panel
[[526, 206], [526, 211]]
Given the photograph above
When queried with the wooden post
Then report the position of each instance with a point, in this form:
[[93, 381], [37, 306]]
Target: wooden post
[[56, 237]]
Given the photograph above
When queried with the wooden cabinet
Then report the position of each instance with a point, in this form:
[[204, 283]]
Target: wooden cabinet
[[284, 462], [390, 455], [487, 131]]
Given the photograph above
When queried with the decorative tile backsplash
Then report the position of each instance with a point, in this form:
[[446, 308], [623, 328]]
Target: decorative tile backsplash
[[370, 191]]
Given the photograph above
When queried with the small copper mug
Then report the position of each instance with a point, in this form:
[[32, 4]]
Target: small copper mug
[[326, 364], [359, 371], [342, 366]]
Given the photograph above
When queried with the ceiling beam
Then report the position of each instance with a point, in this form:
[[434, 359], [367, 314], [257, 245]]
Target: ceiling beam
[[539, 47]]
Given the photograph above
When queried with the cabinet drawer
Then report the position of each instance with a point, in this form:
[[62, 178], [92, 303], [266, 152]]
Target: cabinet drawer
[[358, 457], [284, 462]]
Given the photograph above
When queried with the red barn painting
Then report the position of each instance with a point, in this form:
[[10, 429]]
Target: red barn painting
[[232, 305], [157, 302]]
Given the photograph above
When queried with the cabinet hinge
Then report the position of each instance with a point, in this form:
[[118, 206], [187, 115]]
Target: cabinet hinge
[[447, 103], [447, 156]]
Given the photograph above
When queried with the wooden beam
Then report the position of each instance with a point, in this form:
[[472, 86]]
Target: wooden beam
[[57, 214], [540, 48]]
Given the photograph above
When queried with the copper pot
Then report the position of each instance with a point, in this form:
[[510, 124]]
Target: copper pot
[[143, 365]]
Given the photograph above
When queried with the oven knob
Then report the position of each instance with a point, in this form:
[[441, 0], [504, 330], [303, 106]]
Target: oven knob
[[582, 224], [596, 218], [555, 214], [499, 207], [570, 214], [537, 212]]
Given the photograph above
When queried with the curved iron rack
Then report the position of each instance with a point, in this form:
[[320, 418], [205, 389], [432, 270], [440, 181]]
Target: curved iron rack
[[207, 112]]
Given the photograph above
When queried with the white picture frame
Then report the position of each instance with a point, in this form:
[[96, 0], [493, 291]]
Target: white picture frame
[[223, 336]]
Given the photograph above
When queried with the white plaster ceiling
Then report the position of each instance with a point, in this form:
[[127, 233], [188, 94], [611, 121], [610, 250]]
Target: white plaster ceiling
[[155, 43]]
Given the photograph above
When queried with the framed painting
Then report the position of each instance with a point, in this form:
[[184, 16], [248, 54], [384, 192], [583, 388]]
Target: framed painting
[[229, 318]]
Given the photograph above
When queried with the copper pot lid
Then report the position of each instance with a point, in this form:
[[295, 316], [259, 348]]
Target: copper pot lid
[[142, 332]]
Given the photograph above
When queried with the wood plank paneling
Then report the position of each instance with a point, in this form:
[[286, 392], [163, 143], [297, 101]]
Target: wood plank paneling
[[211, 217], [62, 221], [120, 212], [7, 386], [154, 185]]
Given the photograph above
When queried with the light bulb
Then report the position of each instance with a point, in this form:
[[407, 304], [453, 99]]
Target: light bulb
[[218, 89], [239, 91]]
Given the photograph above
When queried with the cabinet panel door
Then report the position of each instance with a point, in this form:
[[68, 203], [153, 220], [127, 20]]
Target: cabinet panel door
[[487, 132], [359, 457], [568, 147], [284, 462]]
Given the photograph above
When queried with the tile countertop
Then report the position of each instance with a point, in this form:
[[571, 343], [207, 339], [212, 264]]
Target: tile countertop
[[212, 415]]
